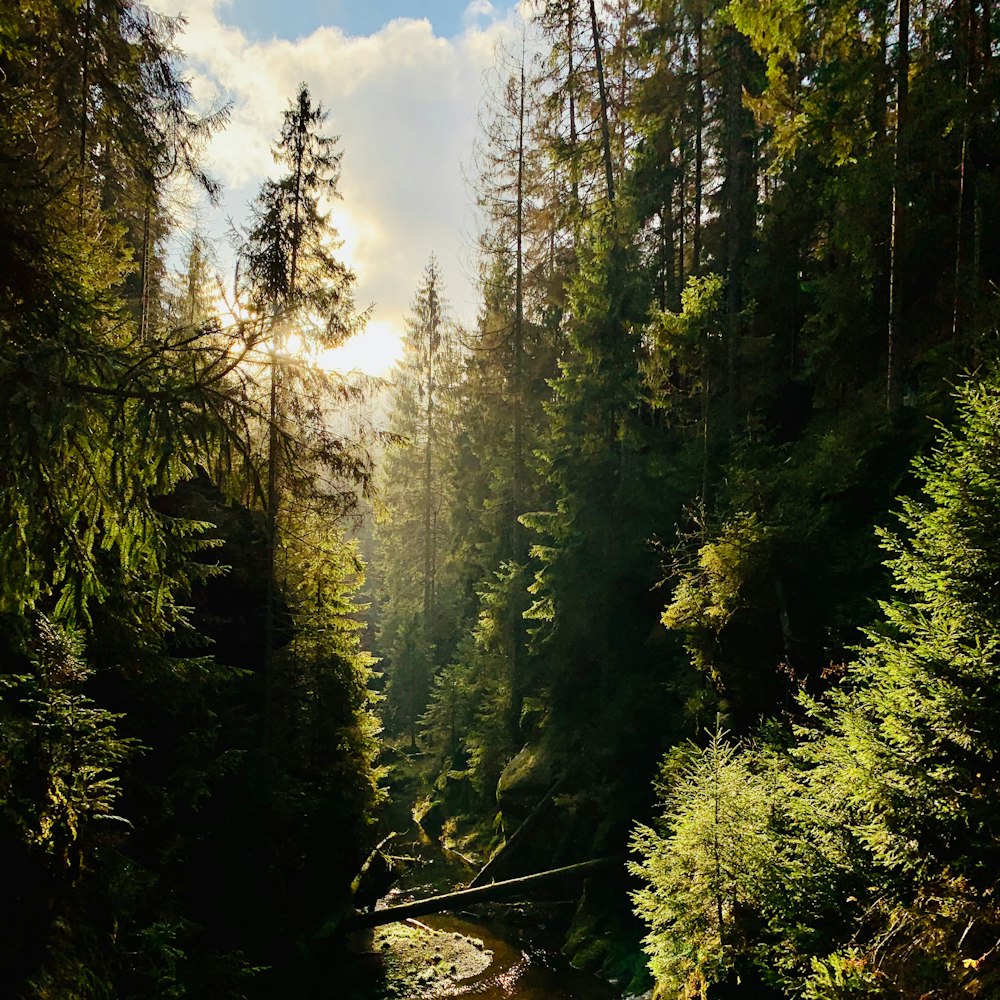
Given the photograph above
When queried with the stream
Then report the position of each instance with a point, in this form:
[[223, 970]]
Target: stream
[[491, 957]]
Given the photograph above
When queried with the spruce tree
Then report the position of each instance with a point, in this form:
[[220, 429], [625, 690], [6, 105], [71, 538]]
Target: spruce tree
[[705, 866], [876, 873], [911, 750], [301, 293], [416, 629]]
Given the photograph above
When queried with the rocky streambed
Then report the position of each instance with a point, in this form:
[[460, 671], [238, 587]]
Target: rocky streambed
[[501, 953]]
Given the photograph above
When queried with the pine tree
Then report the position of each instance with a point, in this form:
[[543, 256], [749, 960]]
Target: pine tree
[[303, 294], [911, 748], [415, 631], [704, 868]]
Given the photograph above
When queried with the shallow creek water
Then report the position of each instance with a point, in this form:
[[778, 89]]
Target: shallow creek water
[[466, 955]]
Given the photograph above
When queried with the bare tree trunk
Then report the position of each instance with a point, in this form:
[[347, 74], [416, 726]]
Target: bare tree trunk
[[574, 165], [469, 897], [736, 229], [602, 93], [270, 595], [699, 112], [787, 638], [144, 270], [432, 332], [85, 103], [531, 821], [967, 55], [894, 392], [682, 217], [517, 636]]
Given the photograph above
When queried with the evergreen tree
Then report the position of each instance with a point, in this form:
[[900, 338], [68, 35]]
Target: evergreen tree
[[99, 428], [129, 797], [303, 294], [705, 868], [289, 262], [416, 631], [910, 743], [876, 872]]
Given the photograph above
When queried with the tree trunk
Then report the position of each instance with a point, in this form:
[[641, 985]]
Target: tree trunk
[[603, 96], [574, 165], [699, 113], [530, 822], [428, 464], [144, 256], [894, 391], [270, 595], [740, 188], [469, 897], [85, 103], [969, 52], [519, 547], [682, 219]]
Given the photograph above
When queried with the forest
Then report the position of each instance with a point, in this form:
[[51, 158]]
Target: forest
[[685, 554]]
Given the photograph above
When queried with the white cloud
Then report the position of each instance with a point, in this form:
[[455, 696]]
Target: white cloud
[[476, 10], [404, 103]]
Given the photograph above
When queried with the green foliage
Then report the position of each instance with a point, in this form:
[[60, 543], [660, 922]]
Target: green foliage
[[821, 72], [920, 703], [708, 594], [595, 473], [125, 868], [331, 734], [467, 717], [707, 868], [684, 347], [841, 976], [288, 255], [416, 633], [910, 744], [876, 875], [63, 753]]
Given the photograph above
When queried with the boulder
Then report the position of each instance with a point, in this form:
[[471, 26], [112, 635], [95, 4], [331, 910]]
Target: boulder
[[524, 782]]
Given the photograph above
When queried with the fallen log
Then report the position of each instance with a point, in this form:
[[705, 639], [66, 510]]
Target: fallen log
[[466, 897], [375, 877], [376, 851], [503, 855]]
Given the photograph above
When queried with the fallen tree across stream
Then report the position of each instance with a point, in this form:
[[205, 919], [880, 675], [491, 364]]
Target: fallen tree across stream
[[503, 855], [467, 897]]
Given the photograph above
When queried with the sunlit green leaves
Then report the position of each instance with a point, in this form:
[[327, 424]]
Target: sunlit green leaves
[[60, 736], [708, 865]]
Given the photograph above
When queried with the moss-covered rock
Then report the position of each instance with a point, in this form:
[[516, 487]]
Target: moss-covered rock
[[419, 958], [431, 814], [524, 782]]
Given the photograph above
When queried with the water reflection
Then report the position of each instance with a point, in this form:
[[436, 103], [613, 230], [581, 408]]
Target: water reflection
[[521, 967], [518, 969]]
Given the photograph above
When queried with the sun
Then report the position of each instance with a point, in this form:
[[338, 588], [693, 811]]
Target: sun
[[373, 351]]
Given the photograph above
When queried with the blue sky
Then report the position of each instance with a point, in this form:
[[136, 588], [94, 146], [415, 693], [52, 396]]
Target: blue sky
[[264, 19]]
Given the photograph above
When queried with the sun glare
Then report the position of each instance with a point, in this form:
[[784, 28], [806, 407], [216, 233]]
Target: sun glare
[[373, 351]]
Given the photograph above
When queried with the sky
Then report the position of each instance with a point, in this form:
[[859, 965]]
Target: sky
[[402, 81]]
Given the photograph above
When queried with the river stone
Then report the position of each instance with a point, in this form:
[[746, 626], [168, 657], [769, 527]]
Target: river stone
[[432, 961]]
